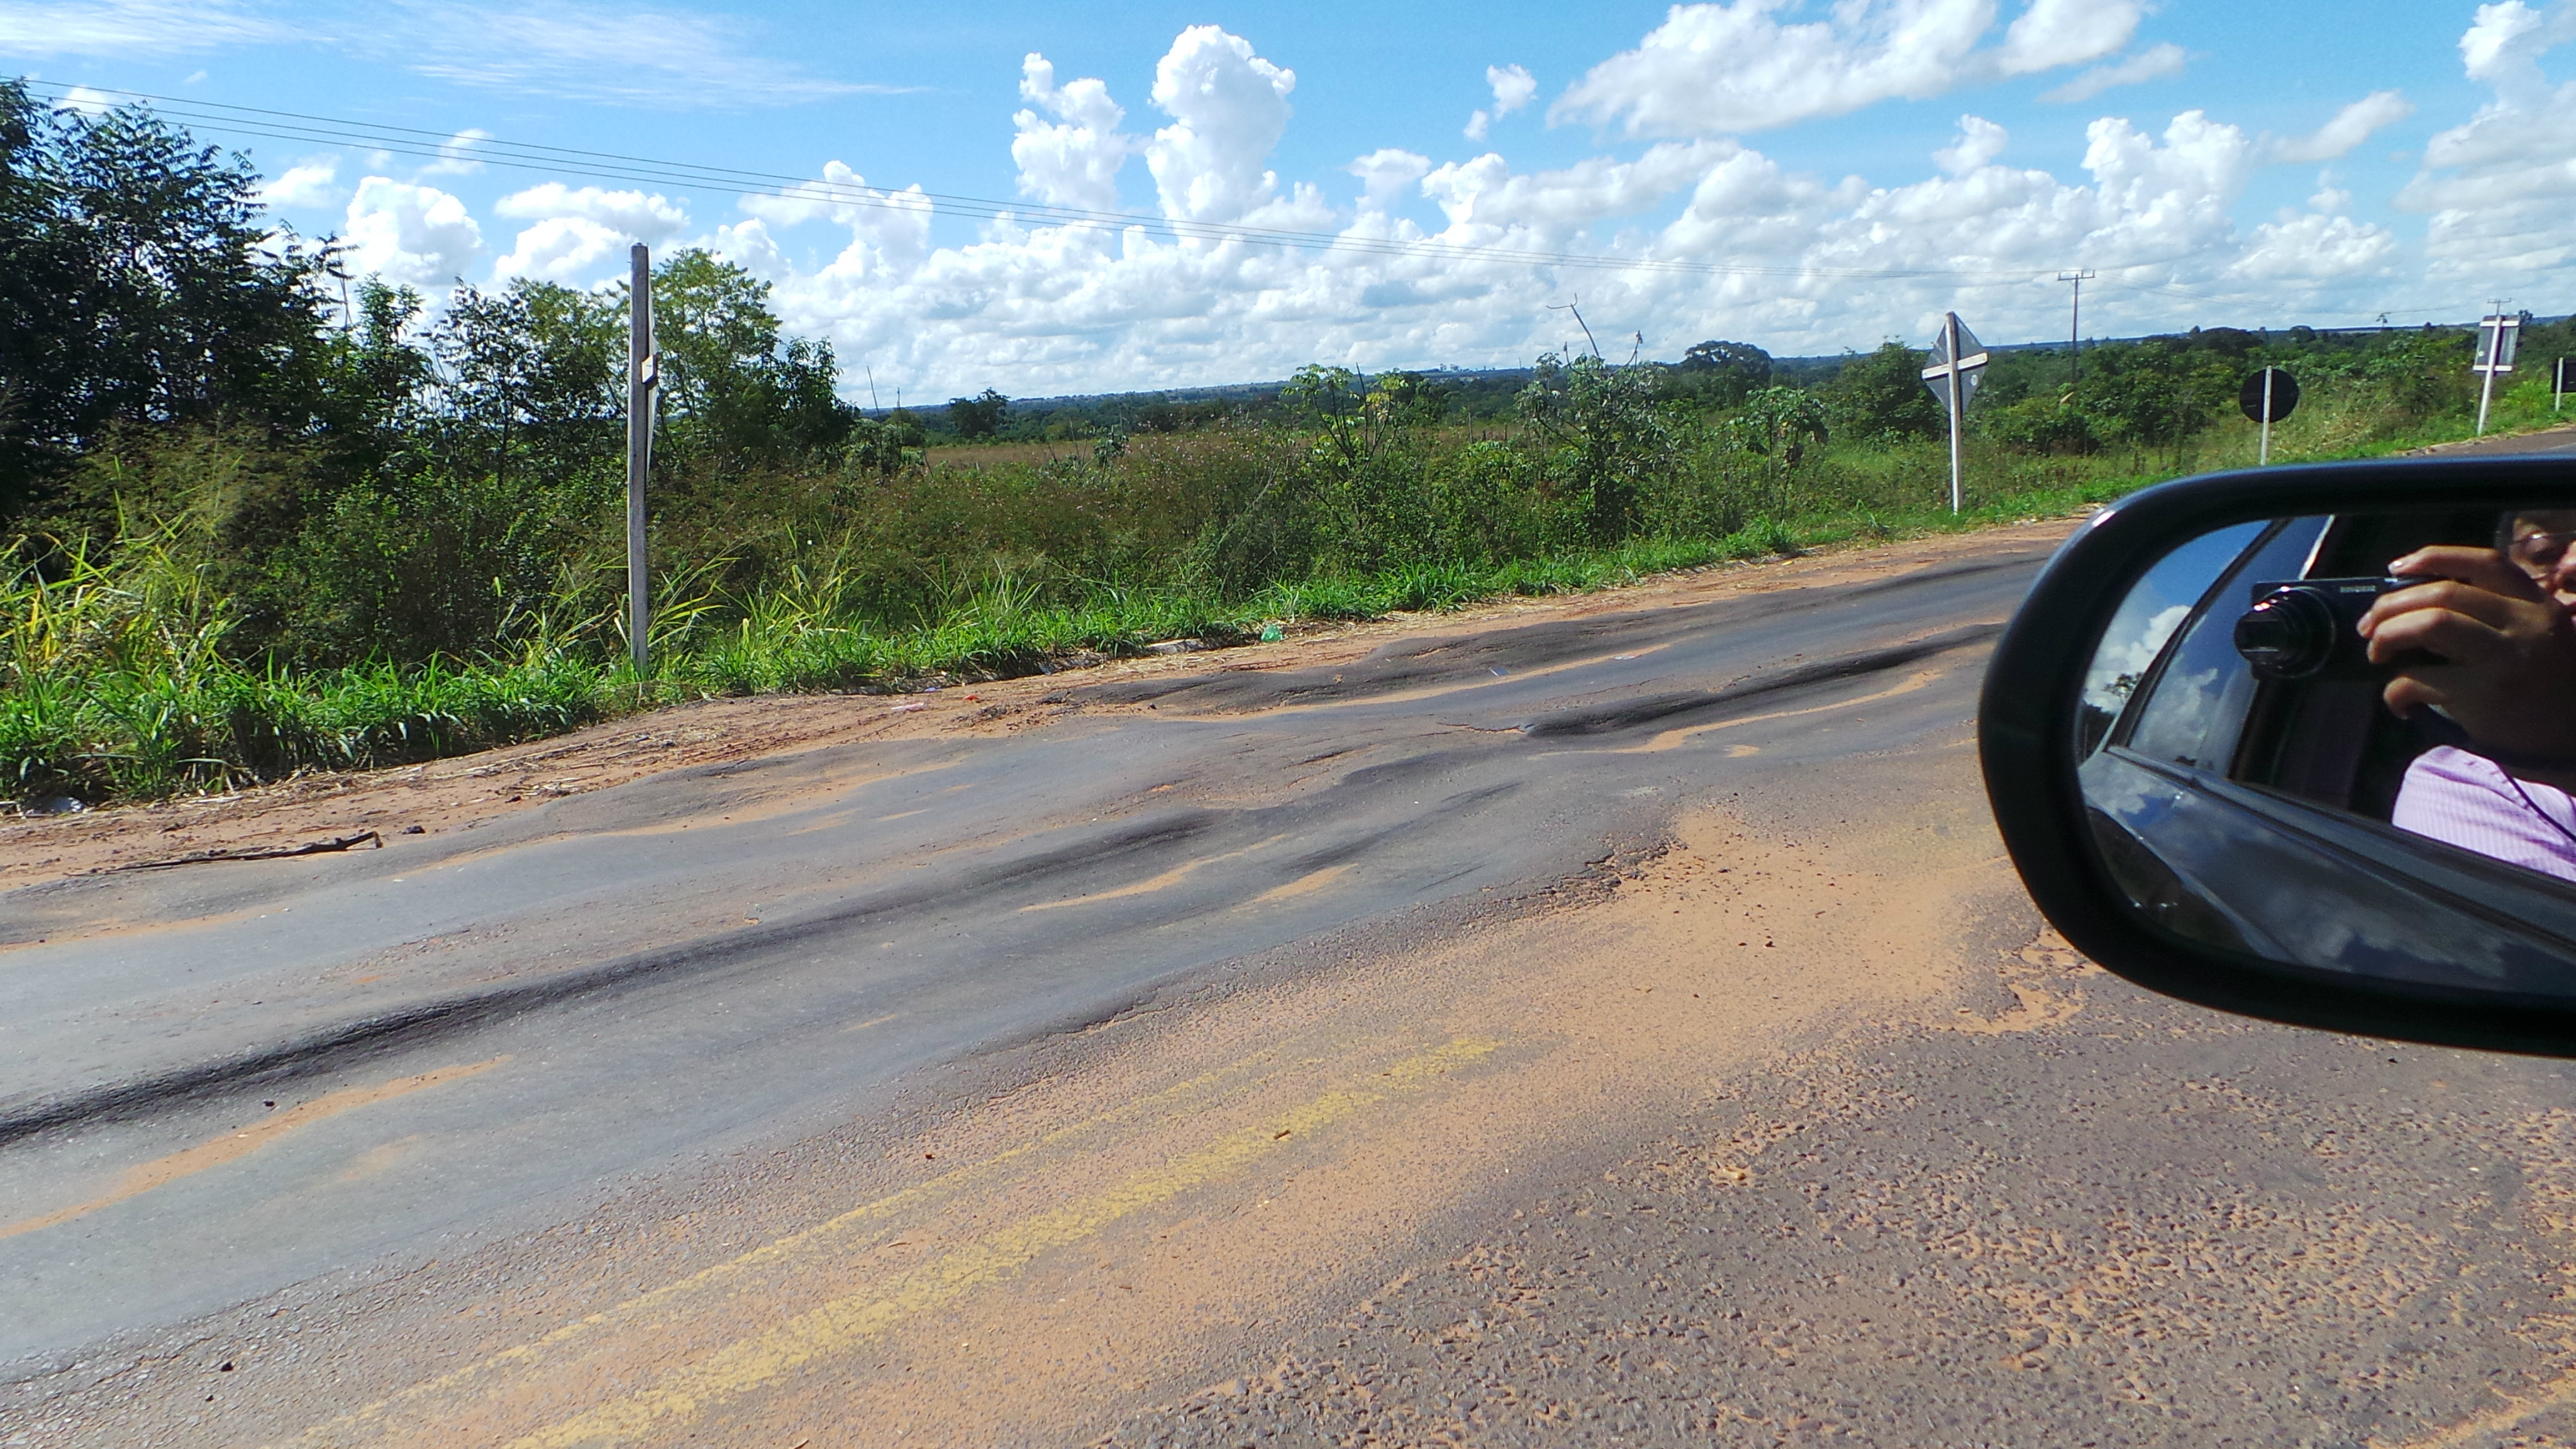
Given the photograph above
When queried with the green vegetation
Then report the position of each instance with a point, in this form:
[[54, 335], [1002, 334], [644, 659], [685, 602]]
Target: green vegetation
[[256, 518]]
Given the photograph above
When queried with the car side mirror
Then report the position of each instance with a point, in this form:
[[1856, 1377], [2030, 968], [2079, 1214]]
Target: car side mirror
[[2210, 787]]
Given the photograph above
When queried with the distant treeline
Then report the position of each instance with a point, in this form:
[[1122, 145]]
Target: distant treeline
[[1720, 374]]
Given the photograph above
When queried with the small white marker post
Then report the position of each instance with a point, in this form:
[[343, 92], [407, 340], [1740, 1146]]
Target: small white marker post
[[643, 380], [2497, 334], [2558, 392], [2264, 458], [1956, 358]]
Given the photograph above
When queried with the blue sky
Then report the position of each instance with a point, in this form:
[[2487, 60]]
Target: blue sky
[[1877, 160]]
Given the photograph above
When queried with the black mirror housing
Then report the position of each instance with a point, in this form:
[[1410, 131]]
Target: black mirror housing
[[2122, 907]]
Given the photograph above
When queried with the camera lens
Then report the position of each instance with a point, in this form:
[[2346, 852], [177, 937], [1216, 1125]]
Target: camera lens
[[2287, 635]]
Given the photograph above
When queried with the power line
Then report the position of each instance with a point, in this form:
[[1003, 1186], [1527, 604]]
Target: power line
[[225, 118]]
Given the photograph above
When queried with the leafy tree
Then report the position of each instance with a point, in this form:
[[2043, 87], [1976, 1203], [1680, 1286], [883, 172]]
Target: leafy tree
[[1880, 397], [1329, 400], [980, 417], [1778, 423], [884, 446], [1611, 438], [137, 286], [1721, 374], [734, 389], [531, 379], [1408, 400], [2157, 392]]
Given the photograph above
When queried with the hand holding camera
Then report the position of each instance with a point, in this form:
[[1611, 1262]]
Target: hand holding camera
[[2474, 634]]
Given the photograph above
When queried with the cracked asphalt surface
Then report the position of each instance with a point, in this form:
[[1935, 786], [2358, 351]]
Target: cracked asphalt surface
[[1619, 1029]]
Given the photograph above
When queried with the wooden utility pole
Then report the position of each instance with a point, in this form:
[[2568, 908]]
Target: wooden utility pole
[[2075, 325], [643, 380]]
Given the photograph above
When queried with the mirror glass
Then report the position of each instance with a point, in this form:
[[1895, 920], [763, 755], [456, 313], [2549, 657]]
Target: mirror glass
[[2349, 743]]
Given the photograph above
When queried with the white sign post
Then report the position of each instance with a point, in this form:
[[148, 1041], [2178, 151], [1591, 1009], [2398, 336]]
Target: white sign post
[[643, 380], [2497, 335], [1953, 375]]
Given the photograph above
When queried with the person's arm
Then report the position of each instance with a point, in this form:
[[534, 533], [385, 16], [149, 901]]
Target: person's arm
[[2506, 652]]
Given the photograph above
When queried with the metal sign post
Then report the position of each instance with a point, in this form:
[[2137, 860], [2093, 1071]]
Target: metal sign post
[[1956, 358], [643, 381], [2268, 397], [2497, 334]]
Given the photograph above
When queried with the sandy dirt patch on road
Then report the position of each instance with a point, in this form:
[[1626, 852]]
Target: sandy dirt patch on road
[[468, 790], [1188, 1181]]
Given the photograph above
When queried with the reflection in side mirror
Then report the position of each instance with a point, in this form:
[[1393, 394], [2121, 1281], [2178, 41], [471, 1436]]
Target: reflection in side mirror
[[2306, 777]]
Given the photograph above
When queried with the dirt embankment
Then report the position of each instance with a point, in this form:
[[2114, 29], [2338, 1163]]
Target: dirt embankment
[[468, 790]]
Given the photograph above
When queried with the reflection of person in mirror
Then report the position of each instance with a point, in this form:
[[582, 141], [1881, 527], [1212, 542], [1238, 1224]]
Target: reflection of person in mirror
[[2499, 621]]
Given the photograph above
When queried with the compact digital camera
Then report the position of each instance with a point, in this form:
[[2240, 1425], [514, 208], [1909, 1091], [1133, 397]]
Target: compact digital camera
[[2303, 628]]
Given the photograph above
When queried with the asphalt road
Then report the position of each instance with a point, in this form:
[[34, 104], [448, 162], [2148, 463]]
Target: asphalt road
[[676, 967], [1620, 1030]]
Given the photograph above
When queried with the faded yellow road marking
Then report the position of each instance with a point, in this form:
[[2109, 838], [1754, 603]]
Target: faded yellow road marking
[[162, 1171], [753, 1363], [871, 1021], [1311, 881], [821, 1238]]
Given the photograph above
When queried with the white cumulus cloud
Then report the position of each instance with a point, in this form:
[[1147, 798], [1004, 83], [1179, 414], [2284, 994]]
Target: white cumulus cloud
[[456, 154], [580, 230], [651, 219], [86, 102], [2055, 33], [2498, 187], [1073, 160], [1727, 69], [1387, 174], [1513, 87], [566, 249], [1229, 108], [417, 235], [311, 184], [1980, 141]]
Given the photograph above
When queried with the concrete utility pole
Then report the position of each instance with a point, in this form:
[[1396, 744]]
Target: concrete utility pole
[[1956, 357], [2075, 325], [2497, 334], [643, 382]]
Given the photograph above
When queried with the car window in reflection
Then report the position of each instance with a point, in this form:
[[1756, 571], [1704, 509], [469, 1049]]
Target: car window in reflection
[[2155, 607], [2193, 706]]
